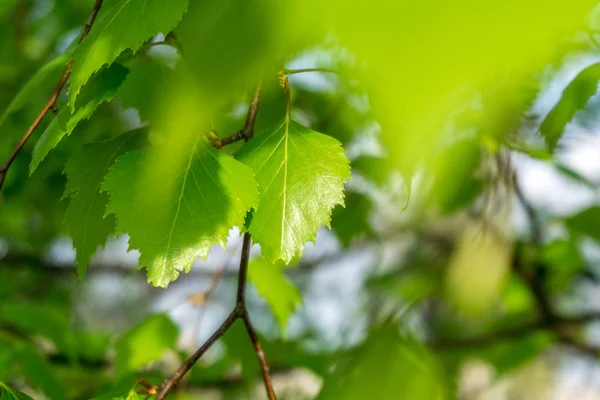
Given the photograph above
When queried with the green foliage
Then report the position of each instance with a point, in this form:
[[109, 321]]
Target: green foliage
[[574, 98], [586, 222], [113, 33], [146, 342], [271, 283], [389, 366], [102, 88], [298, 186], [85, 221], [176, 222], [41, 81], [440, 109], [6, 393]]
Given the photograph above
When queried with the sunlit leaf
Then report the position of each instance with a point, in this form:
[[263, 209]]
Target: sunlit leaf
[[120, 25], [301, 175], [173, 224]]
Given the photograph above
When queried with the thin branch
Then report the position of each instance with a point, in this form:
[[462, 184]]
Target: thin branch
[[51, 104], [247, 132], [168, 385], [304, 70], [240, 310], [260, 354]]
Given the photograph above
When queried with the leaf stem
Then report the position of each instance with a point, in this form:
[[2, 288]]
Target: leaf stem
[[240, 310], [304, 70], [51, 103]]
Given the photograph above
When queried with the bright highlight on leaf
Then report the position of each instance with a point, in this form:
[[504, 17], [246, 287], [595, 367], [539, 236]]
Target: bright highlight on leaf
[[102, 88], [121, 24], [301, 175], [85, 221], [174, 223]]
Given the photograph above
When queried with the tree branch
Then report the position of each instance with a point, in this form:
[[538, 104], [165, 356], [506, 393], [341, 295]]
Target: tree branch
[[51, 104], [240, 310], [247, 132]]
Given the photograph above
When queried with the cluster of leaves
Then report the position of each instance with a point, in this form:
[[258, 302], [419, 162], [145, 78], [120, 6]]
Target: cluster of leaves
[[134, 137]]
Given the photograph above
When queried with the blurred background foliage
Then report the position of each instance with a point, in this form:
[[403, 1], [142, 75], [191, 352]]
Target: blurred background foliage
[[464, 265]]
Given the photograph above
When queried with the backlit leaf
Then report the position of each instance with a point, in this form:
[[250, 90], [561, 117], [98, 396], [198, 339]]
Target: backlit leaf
[[120, 25], [301, 175], [176, 219]]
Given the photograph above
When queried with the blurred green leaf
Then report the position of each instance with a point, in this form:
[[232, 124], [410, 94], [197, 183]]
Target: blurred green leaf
[[146, 342], [6, 393], [386, 366], [586, 222], [352, 220], [271, 283], [43, 80], [574, 98], [39, 372], [85, 220], [101, 89], [39, 319]]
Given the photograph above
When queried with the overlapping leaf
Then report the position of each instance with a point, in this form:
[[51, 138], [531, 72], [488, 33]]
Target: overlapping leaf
[[301, 175], [280, 294], [85, 170], [177, 218], [574, 98], [146, 342], [121, 24], [103, 88]]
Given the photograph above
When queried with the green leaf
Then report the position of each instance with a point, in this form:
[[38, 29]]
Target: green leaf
[[146, 342], [184, 205], [301, 175], [574, 98], [386, 366], [352, 221], [84, 220], [6, 393], [39, 319], [102, 88], [271, 283], [137, 93], [44, 79], [39, 373], [120, 25], [586, 222]]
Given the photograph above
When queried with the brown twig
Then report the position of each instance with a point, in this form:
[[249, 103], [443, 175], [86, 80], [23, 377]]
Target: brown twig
[[247, 132], [51, 104], [239, 311]]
